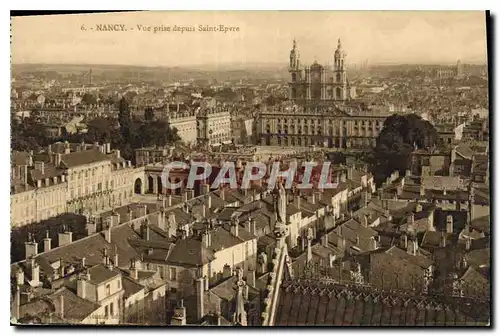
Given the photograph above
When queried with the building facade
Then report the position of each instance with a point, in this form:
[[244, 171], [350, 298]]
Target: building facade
[[214, 126], [320, 110], [61, 180], [185, 123]]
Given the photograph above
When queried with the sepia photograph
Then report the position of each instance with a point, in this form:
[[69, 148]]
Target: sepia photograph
[[250, 169]]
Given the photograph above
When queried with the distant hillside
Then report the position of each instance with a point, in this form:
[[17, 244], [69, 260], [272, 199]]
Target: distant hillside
[[221, 72]]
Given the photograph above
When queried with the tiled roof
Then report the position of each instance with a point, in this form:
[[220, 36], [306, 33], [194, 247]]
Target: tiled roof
[[316, 304]]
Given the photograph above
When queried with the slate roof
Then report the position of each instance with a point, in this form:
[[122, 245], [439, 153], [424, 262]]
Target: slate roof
[[92, 249], [130, 287], [100, 274], [82, 158], [316, 304], [419, 260], [481, 224], [227, 289], [442, 182], [479, 257], [75, 308], [190, 252], [49, 171]]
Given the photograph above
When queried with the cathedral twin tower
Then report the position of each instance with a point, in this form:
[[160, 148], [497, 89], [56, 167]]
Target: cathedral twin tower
[[316, 82]]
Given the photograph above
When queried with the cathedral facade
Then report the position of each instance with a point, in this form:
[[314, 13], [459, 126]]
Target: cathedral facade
[[317, 82], [321, 109]]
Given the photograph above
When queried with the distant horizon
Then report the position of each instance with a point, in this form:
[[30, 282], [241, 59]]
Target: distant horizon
[[382, 37], [281, 64]]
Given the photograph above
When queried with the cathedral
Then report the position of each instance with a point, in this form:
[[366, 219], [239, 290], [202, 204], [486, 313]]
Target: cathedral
[[321, 109], [317, 82]]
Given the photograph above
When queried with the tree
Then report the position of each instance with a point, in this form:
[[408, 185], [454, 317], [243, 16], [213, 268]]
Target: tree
[[399, 137], [100, 129], [89, 99], [124, 119], [148, 114], [156, 133]]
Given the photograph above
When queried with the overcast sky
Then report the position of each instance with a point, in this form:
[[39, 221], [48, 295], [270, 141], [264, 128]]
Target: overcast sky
[[264, 37]]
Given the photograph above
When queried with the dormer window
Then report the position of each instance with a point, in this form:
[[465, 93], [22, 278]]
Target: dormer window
[[108, 290]]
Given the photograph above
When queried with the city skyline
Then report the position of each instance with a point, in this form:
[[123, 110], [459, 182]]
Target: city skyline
[[263, 38]]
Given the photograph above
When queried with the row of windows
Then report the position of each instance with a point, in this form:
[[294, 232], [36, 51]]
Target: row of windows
[[330, 121], [90, 172]]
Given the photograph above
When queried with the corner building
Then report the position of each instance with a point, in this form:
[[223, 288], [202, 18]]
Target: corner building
[[320, 110]]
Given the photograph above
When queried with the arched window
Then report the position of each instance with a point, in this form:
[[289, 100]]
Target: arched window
[[338, 93], [339, 77]]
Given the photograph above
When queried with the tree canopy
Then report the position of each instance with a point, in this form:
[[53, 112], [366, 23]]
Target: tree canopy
[[397, 140], [148, 114]]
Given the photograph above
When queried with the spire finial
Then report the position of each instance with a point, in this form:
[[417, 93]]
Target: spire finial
[[339, 44]]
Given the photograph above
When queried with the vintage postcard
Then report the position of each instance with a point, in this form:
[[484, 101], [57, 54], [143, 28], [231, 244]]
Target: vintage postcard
[[185, 168]]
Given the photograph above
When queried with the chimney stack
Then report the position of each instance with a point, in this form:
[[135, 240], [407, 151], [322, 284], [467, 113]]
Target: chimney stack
[[324, 240], [468, 243], [226, 271], [133, 269], [412, 247], [81, 285], [20, 277], [404, 241], [179, 317], [297, 201], [209, 201], [349, 173], [35, 272], [206, 239], [449, 224], [31, 247], [40, 166], [61, 307], [47, 245], [206, 188], [200, 289], [65, 238], [309, 249], [312, 198], [235, 228], [442, 242], [107, 233], [365, 221]]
